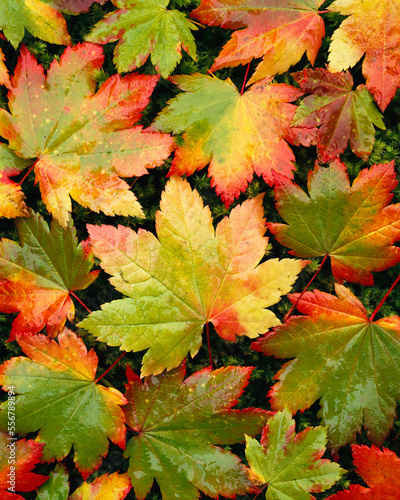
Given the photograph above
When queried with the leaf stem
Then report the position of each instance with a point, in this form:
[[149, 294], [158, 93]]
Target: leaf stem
[[26, 175], [209, 346], [245, 78], [371, 318], [261, 491], [111, 367], [81, 303], [305, 289]]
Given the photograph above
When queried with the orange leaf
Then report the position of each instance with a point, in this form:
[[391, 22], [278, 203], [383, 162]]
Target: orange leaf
[[37, 277], [279, 31], [372, 28]]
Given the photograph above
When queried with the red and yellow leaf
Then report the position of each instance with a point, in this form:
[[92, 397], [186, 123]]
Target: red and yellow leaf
[[82, 141], [4, 77], [237, 134], [354, 225], [341, 357], [38, 276], [370, 29], [190, 276], [12, 198], [179, 422], [106, 487], [341, 113], [279, 31], [72, 410], [17, 459]]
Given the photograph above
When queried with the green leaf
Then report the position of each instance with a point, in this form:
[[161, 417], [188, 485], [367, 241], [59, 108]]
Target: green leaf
[[57, 486], [342, 357], [58, 397], [178, 423], [38, 17], [290, 463], [191, 276], [146, 27]]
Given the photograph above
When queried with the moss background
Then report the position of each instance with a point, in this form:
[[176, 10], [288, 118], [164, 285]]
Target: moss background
[[148, 190]]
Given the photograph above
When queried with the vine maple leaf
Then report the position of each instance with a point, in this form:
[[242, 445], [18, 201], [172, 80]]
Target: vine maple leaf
[[370, 29], [12, 202], [380, 469], [279, 31], [17, 459], [38, 276], [42, 18], [191, 276], [4, 77], [353, 225], [335, 346], [72, 410], [341, 113], [178, 424], [57, 486], [236, 133], [114, 486], [83, 141], [143, 28], [289, 463]]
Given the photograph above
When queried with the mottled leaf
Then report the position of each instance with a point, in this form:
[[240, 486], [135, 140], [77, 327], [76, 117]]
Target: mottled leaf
[[371, 30], [236, 133], [190, 276], [279, 31], [143, 28], [350, 362], [83, 141], [57, 396], [289, 463], [38, 276], [17, 459], [342, 114], [179, 422], [354, 225]]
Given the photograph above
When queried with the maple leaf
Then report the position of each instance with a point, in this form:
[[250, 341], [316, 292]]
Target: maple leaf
[[144, 27], [379, 469], [42, 18], [114, 486], [38, 276], [12, 202], [236, 133], [290, 463], [335, 346], [56, 487], [178, 424], [353, 225], [191, 276], [279, 31], [370, 29], [17, 459], [72, 410], [4, 77], [83, 141], [343, 114]]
